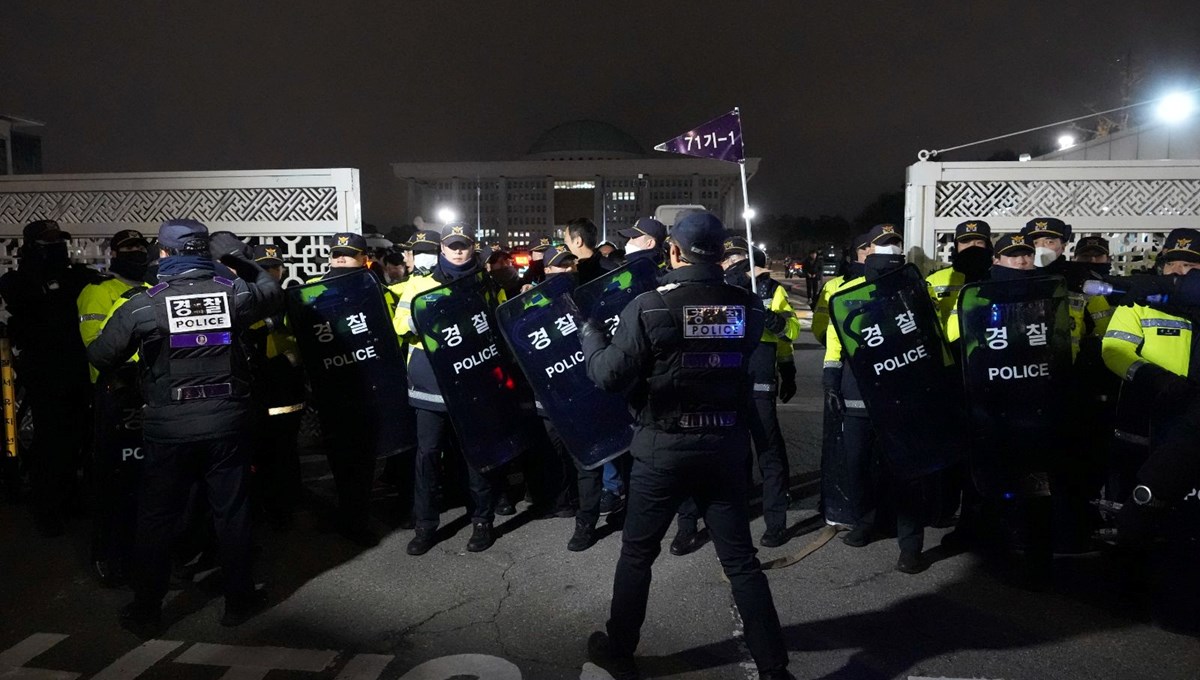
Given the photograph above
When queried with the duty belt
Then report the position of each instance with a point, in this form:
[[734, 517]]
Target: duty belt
[[690, 421], [202, 392]]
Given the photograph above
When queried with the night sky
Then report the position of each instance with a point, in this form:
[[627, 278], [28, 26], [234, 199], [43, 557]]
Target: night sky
[[837, 98]]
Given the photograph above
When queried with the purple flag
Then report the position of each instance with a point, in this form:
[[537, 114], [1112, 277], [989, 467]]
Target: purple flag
[[719, 138]]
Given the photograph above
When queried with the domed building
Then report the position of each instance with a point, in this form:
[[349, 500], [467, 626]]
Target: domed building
[[581, 168]]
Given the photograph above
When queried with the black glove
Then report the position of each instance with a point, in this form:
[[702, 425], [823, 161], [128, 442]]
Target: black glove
[[831, 378], [834, 403], [592, 337], [776, 322], [787, 381], [224, 244], [1164, 388]]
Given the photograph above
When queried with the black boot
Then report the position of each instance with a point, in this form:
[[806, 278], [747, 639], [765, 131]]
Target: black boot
[[583, 538], [481, 537], [619, 666], [422, 541], [687, 540]]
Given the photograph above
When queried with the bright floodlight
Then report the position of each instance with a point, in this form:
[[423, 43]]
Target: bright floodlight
[[1066, 141], [445, 215], [762, 246], [749, 213], [1176, 107]]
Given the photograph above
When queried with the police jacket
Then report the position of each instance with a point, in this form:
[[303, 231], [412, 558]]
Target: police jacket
[[278, 374], [820, 315], [780, 331], [189, 330], [944, 287], [681, 354], [95, 303], [44, 325], [837, 375]]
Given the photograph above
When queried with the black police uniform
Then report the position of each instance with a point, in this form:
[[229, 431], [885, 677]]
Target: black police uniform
[[196, 377], [52, 368], [688, 383]]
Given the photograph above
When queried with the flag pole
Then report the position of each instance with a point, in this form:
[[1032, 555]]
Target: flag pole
[[749, 235]]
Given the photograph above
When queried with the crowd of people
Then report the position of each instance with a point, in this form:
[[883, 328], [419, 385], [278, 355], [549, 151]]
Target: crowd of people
[[183, 354]]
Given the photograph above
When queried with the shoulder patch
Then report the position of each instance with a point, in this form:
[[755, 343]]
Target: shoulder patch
[[156, 289], [129, 294], [223, 281]]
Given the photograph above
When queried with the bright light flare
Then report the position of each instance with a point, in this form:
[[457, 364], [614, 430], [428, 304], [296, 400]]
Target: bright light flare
[[749, 214], [446, 215], [1066, 141], [1176, 107]]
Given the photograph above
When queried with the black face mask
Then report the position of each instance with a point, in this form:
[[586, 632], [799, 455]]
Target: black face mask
[[973, 262], [130, 265], [1101, 269], [1002, 273], [48, 257], [878, 265]]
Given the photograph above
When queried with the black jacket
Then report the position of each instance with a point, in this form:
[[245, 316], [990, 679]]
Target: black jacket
[[140, 326], [672, 368], [44, 326]]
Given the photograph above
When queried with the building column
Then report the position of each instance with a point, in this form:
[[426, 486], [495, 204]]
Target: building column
[[502, 210], [598, 216], [549, 189]]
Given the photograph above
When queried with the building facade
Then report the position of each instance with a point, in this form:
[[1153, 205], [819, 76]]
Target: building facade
[[578, 169]]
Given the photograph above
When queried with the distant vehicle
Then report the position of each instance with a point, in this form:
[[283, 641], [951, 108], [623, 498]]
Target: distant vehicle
[[669, 214], [793, 268], [831, 261], [521, 257]]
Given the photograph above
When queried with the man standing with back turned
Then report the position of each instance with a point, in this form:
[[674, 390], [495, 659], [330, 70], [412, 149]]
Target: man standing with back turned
[[682, 355]]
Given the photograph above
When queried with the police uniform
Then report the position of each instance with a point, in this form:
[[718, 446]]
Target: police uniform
[[681, 354], [945, 284], [279, 389], [189, 330], [820, 315], [40, 297], [425, 396], [116, 450]]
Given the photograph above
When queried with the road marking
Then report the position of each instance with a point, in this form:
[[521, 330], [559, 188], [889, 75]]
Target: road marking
[[481, 665], [138, 660], [13, 659], [365, 667], [593, 672], [253, 663]]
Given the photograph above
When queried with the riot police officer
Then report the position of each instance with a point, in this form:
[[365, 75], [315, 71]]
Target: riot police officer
[[681, 353], [196, 378], [40, 297]]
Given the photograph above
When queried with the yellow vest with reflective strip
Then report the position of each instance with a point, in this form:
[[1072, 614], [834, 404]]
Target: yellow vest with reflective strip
[[944, 287], [96, 303], [1139, 334]]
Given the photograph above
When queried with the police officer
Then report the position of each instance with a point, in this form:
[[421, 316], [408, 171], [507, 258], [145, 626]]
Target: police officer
[[280, 392], [686, 374], [820, 316], [885, 246], [970, 261], [40, 297], [1150, 348], [645, 240], [536, 272], [196, 378], [348, 448], [440, 258], [116, 449]]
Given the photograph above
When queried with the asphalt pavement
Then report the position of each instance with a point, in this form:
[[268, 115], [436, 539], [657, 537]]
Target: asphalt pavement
[[524, 609]]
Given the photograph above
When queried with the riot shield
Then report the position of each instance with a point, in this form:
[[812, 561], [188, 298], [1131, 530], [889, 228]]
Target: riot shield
[[892, 340], [1016, 364], [353, 359], [603, 298], [476, 378], [835, 475], [117, 463], [540, 327]]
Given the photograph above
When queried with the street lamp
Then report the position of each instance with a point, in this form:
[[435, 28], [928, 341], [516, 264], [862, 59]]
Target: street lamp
[[1176, 107], [749, 213], [446, 214], [1066, 142]]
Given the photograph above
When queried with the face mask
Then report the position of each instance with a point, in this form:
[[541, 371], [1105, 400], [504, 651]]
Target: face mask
[[424, 260], [1101, 269], [1043, 257], [130, 265], [887, 250], [973, 262], [632, 247], [878, 264]]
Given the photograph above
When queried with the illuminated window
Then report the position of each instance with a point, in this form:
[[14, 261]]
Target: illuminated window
[[585, 184]]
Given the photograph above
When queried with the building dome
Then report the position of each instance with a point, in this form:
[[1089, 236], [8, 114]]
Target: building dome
[[585, 140]]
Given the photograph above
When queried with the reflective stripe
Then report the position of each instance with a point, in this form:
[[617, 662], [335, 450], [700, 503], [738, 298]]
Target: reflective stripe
[[417, 394], [281, 410], [833, 364], [1133, 368], [404, 304], [1131, 438], [763, 387], [1102, 314], [942, 289], [1122, 335], [954, 312], [1167, 323], [855, 403], [91, 317]]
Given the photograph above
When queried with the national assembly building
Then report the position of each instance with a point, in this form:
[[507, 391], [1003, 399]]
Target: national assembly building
[[577, 169]]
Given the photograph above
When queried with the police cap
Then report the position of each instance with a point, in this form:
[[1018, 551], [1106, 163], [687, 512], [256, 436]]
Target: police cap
[[1011, 245], [425, 241], [128, 237], [700, 237], [556, 257], [457, 233], [973, 229], [1182, 244], [348, 243], [44, 231], [267, 255], [882, 234], [542, 244], [177, 233], [646, 226], [1092, 244], [1046, 227]]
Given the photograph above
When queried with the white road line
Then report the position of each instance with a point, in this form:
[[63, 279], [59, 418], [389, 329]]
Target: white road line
[[138, 660], [250, 663], [365, 667], [13, 659], [593, 672], [481, 665]]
